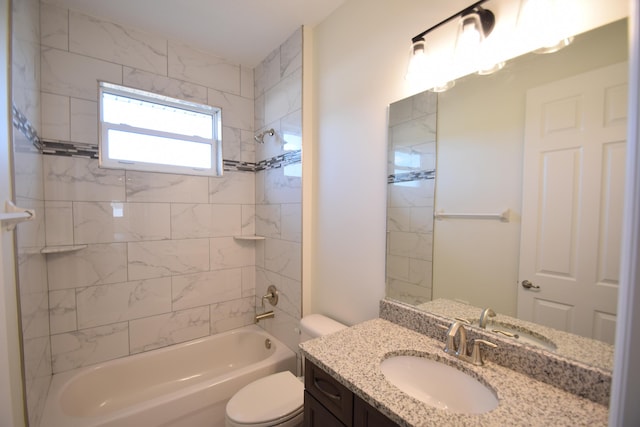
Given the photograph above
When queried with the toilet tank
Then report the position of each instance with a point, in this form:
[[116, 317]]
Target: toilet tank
[[317, 325]]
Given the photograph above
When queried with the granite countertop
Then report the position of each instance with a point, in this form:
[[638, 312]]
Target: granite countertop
[[586, 350], [352, 356]]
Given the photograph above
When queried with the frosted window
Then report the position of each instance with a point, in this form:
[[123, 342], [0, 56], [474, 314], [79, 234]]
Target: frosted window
[[140, 130]]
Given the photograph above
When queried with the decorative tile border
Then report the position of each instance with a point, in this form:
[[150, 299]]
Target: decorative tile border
[[70, 149], [238, 166], [411, 176], [21, 123], [279, 161], [78, 149]]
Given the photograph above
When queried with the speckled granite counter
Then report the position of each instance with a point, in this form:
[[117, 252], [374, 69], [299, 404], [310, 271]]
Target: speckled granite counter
[[353, 357], [592, 352], [576, 377]]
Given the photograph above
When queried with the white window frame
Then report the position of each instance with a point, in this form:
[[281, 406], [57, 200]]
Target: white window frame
[[215, 141]]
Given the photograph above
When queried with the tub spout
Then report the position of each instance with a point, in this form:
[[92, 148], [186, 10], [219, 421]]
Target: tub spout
[[265, 315]]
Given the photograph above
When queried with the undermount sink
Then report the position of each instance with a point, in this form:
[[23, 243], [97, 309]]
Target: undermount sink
[[519, 334], [438, 385]]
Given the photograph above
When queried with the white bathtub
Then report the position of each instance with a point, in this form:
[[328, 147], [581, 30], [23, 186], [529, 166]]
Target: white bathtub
[[184, 385]]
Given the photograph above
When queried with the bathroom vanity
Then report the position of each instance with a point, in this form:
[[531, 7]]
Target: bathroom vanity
[[345, 385], [328, 403]]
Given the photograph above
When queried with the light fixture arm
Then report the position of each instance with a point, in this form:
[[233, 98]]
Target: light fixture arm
[[452, 17], [487, 18]]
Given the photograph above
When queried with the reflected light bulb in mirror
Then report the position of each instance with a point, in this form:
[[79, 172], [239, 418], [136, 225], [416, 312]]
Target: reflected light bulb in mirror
[[443, 86], [541, 23], [554, 45], [489, 68]]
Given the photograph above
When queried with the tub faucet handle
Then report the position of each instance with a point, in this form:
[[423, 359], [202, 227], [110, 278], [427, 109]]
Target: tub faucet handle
[[271, 296]]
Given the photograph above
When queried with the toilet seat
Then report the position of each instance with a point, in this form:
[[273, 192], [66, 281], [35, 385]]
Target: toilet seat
[[271, 400]]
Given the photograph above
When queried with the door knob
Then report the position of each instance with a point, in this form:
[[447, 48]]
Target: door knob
[[528, 285]]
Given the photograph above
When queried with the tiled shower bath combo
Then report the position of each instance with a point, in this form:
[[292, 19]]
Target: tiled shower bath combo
[[118, 263]]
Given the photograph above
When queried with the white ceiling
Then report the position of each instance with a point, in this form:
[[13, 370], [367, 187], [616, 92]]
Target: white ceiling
[[242, 31]]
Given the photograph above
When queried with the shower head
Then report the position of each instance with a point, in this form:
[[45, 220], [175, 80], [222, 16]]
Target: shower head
[[260, 137]]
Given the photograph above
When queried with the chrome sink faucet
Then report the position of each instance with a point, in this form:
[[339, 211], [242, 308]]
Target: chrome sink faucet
[[487, 312], [456, 328], [459, 350]]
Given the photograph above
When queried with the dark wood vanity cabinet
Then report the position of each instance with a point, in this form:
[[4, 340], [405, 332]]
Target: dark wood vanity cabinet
[[316, 415], [327, 403], [329, 394], [366, 415]]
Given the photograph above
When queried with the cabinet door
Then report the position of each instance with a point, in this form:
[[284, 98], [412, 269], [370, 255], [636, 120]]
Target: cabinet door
[[365, 415], [316, 415], [325, 389]]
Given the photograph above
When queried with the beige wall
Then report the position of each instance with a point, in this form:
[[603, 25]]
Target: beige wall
[[360, 55]]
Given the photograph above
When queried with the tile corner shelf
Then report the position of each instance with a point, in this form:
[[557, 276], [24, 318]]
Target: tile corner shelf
[[249, 237], [61, 249]]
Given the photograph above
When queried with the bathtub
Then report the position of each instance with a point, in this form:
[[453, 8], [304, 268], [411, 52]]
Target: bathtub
[[184, 385]]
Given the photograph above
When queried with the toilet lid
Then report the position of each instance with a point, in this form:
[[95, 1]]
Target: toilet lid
[[267, 399]]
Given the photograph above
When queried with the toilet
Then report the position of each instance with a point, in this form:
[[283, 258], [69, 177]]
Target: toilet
[[277, 399]]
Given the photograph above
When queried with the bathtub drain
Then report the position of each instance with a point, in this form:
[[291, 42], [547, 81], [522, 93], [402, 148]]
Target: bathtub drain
[[267, 343]]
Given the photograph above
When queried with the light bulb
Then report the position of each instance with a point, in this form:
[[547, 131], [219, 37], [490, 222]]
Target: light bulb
[[417, 62], [470, 34]]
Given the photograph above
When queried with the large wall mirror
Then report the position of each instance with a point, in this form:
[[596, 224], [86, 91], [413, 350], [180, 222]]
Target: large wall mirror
[[496, 181]]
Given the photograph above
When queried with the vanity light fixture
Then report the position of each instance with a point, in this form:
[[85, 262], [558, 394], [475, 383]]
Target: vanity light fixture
[[475, 25], [422, 64]]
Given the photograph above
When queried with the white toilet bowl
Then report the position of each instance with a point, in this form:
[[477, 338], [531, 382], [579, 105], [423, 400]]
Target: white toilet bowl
[[277, 400]]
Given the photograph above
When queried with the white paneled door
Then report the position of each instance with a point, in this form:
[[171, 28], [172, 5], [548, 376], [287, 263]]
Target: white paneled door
[[573, 186]]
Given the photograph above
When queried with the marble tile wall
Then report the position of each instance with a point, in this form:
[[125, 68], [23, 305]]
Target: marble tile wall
[[410, 198], [161, 264], [29, 193], [278, 209]]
